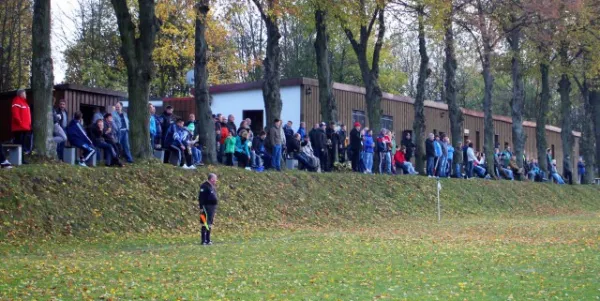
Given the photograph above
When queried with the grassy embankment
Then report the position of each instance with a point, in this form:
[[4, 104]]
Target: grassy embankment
[[56, 200], [78, 234]]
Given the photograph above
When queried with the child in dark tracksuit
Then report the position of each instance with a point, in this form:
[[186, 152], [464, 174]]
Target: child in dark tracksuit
[[207, 200]]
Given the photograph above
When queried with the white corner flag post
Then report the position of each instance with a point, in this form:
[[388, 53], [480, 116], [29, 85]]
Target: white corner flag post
[[439, 210]]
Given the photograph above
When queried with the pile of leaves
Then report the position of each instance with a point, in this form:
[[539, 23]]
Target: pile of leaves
[[49, 200]]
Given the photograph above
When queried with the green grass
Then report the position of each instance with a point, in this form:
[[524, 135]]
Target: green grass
[[49, 201], [69, 233], [533, 258]]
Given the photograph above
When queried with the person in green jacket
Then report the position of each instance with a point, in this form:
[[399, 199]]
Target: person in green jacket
[[242, 150], [229, 149]]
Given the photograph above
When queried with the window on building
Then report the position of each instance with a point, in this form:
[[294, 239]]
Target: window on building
[[496, 141], [477, 142], [387, 122], [359, 116]]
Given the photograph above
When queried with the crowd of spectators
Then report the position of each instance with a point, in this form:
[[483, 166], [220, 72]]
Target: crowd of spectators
[[317, 149]]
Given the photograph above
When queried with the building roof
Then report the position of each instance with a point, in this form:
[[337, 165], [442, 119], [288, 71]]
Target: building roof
[[227, 88], [73, 87], [90, 90]]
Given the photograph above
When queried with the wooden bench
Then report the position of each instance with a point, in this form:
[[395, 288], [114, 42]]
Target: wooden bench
[[13, 153]]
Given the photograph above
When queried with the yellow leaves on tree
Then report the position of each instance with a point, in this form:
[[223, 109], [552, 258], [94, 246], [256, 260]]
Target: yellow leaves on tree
[[174, 52]]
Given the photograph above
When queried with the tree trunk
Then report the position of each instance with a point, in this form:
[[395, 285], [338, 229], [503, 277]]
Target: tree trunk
[[373, 99], [594, 101], [271, 63], [518, 95], [202, 97], [419, 121], [329, 111], [488, 123], [588, 140], [370, 73], [456, 116], [566, 135], [540, 130], [136, 48], [42, 79]]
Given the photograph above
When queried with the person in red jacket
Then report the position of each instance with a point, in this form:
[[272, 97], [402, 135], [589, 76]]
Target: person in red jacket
[[402, 163], [21, 121]]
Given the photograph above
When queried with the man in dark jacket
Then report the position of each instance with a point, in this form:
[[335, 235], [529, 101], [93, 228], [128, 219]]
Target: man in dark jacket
[[320, 147], [166, 120], [342, 135], [288, 131], [430, 154], [79, 138], [110, 134], [464, 152], [98, 138], [355, 147], [262, 158], [333, 142], [567, 171], [208, 201], [231, 125], [410, 146]]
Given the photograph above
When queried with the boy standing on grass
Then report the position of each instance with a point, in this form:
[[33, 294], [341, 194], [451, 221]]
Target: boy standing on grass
[[207, 199]]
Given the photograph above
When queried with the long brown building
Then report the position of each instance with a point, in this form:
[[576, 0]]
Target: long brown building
[[300, 98], [301, 103]]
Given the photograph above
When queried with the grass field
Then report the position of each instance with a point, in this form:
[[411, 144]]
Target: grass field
[[523, 258]]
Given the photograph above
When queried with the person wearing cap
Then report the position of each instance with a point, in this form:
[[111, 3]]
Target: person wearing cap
[[355, 147], [21, 121]]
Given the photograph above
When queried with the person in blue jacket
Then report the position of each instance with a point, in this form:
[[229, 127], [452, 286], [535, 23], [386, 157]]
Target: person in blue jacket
[[581, 169], [79, 138], [437, 146], [369, 145], [302, 130], [179, 144], [450, 157]]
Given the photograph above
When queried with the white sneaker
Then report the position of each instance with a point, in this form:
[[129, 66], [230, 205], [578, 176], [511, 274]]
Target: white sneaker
[[5, 165], [191, 167], [82, 164], [185, 167], [248, 168]]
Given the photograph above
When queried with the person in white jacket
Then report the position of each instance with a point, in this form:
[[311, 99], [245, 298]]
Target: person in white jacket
[[470, 159]]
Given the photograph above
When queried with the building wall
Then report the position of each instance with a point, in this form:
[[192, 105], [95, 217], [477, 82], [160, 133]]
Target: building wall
[[351, 98], [237, 102]]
